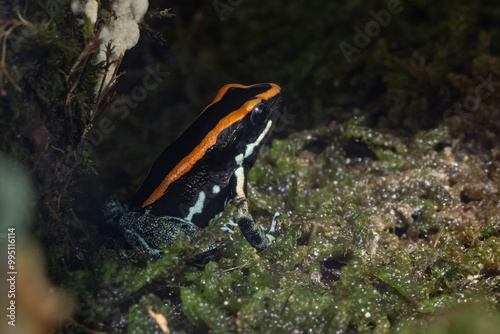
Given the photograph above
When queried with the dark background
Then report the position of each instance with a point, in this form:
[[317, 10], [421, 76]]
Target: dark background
[[428, 57]]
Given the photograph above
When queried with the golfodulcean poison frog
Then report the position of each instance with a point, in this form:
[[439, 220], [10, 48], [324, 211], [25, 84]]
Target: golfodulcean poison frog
[[193, 179]]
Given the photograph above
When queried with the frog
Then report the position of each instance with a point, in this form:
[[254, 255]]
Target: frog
[[195, 177]]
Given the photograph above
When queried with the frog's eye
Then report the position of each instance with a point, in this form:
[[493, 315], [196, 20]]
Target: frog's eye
[[258, 115]]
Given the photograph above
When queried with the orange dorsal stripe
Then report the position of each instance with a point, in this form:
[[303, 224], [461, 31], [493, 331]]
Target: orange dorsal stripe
[[221, 93], [210, 139]]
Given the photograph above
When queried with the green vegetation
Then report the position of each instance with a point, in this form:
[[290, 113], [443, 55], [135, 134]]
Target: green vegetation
[[366, 245], [390, 192]]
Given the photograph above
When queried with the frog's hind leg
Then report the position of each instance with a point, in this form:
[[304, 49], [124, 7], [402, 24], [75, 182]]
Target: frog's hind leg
[[151, 233], [136, 240]]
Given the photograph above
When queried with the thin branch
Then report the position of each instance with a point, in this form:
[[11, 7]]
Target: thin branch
[[91, 48], [107, 82], [83, 327], [10, 25], [429, 258]]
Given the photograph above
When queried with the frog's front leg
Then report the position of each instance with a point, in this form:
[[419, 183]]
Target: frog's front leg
[[250, 229], [150, 233]]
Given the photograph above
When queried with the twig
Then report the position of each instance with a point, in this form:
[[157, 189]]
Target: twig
[[422, 274], [106, 83], [83, 327], [91, 48], [11, 25]]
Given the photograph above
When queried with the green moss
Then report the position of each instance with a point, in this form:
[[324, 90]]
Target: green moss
[[463, 320], [400, 275], [365, 245], [201, 311], [380, 230]]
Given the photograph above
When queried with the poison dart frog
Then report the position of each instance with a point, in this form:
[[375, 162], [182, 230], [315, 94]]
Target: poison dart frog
[[195, 176]]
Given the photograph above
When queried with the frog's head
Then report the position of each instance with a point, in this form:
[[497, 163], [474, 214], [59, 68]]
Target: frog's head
[[247, 115]]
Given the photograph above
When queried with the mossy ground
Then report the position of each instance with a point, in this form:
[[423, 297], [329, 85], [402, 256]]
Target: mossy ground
[[378, 233], [391, 212]]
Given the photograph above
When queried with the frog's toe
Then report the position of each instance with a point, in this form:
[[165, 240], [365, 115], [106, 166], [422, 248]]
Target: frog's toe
[[231, 223], [270, 239], [273, 224], [227, 229], [277, 214]]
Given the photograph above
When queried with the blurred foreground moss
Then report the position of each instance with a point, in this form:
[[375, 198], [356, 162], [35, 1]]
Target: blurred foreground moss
[[31, 302]]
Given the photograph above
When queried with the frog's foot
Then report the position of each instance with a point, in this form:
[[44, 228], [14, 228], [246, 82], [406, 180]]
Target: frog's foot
[[269, 237], [277, 214], [135, 239], [111, 211], [229, 227]]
